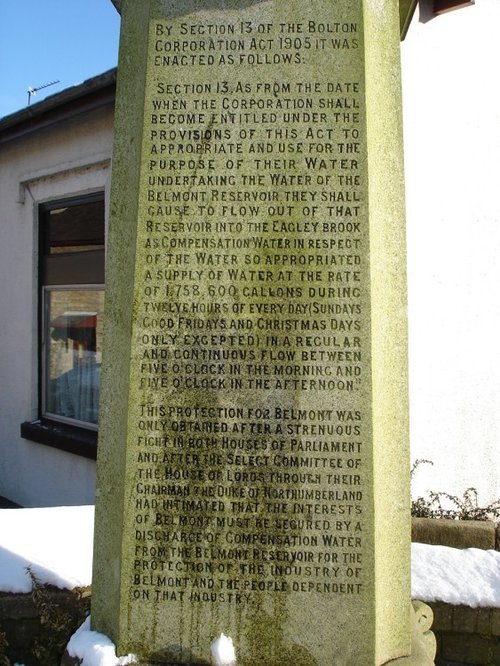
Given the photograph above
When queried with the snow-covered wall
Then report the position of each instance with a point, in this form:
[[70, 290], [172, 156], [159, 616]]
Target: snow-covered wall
[[452, 153], [67, 159]]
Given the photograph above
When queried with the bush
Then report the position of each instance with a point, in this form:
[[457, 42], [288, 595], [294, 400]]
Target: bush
[[57, 623], [4, 660], [458, 508]]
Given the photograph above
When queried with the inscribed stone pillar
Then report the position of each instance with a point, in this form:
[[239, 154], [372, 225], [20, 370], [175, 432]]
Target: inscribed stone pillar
[[253, 465]]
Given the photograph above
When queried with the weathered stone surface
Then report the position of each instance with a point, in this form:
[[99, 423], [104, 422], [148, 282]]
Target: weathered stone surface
[[495, 621], [470, 649], [16, 606], [406, 10], [254, 381], [483, 621], [466, 635], [423, 641], [454, 533], [443, 616], [464, 619]]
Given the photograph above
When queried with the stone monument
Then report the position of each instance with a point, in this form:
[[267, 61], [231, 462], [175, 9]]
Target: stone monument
[[253, 473]]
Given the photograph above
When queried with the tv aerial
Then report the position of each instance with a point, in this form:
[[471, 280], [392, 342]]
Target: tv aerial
[[33, 91]]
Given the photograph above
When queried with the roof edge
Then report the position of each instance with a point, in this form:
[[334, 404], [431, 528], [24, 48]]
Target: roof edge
[[30, 114]]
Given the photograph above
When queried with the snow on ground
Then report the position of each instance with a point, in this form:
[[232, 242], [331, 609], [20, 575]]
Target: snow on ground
[[57, 544], [95, 649]]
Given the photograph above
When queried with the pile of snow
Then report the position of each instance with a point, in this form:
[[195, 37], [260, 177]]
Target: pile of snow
[[95, 649], [469, 577], [56, 543], [223, 652]]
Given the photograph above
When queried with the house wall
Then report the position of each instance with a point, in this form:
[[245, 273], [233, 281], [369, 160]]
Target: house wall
[[452, 154], [67, 159]]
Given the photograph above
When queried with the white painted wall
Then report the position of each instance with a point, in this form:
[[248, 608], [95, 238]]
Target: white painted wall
[[53, 164], [452, 153]]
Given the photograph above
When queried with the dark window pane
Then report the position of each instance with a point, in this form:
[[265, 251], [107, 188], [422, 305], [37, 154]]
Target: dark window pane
[[76, 228]]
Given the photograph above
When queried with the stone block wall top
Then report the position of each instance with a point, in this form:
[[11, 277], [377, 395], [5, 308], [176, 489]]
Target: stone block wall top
[[454, 533]]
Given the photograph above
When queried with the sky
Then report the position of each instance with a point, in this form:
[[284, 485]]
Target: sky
[[48, 40]]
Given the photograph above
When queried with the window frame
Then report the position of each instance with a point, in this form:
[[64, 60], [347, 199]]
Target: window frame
[[79, 438]]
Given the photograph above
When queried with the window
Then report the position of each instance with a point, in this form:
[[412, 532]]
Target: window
[[71, 298]]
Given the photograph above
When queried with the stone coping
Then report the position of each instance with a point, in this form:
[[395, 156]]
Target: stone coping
[[455, 533]]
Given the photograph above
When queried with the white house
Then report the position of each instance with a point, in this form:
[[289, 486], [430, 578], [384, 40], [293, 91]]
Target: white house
[[55, 159], [451, 104]]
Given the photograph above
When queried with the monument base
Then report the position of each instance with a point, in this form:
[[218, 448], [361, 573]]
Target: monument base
[[423, 641]]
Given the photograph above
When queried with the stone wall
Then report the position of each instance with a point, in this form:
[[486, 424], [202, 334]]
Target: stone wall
[[466, 636], [38, 626], [456, 533]]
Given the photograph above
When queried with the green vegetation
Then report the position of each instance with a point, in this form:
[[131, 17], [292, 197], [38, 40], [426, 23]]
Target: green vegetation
[[57, 623], [4, 660], [466, 507]]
